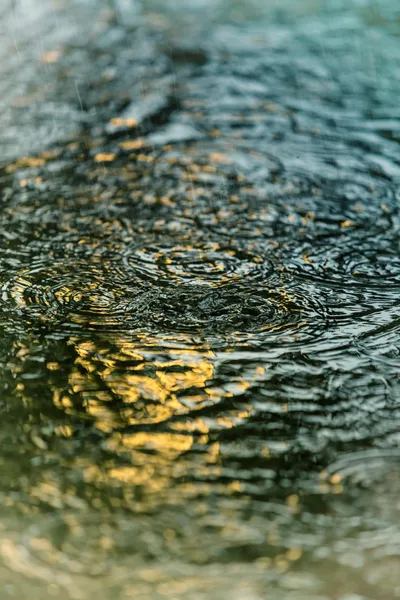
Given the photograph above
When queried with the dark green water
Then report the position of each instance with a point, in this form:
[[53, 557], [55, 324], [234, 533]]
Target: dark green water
[[200, 310]]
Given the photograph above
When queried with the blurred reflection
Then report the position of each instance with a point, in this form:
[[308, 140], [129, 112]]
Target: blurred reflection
[[199, 284]]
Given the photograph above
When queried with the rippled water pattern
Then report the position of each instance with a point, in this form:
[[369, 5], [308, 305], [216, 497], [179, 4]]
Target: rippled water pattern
[[200, 311]]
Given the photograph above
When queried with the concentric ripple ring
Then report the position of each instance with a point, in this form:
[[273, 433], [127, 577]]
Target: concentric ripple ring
[[208, 264], [54, 292]]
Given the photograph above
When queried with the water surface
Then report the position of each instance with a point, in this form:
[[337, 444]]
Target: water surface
[[200, 276]]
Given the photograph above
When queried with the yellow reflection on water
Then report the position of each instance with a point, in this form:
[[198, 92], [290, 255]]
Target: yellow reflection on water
[[158, 403], [145, 393], [135, 382]]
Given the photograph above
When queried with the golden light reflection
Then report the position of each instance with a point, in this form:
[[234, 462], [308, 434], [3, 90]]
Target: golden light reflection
[[104, 157], [52, 56], [146, 396], [123, 384], [121, 122], [27, 162], [132, 144], [127, 382]]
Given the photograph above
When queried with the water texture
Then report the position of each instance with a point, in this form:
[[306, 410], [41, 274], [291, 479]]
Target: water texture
[[200, 276]]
